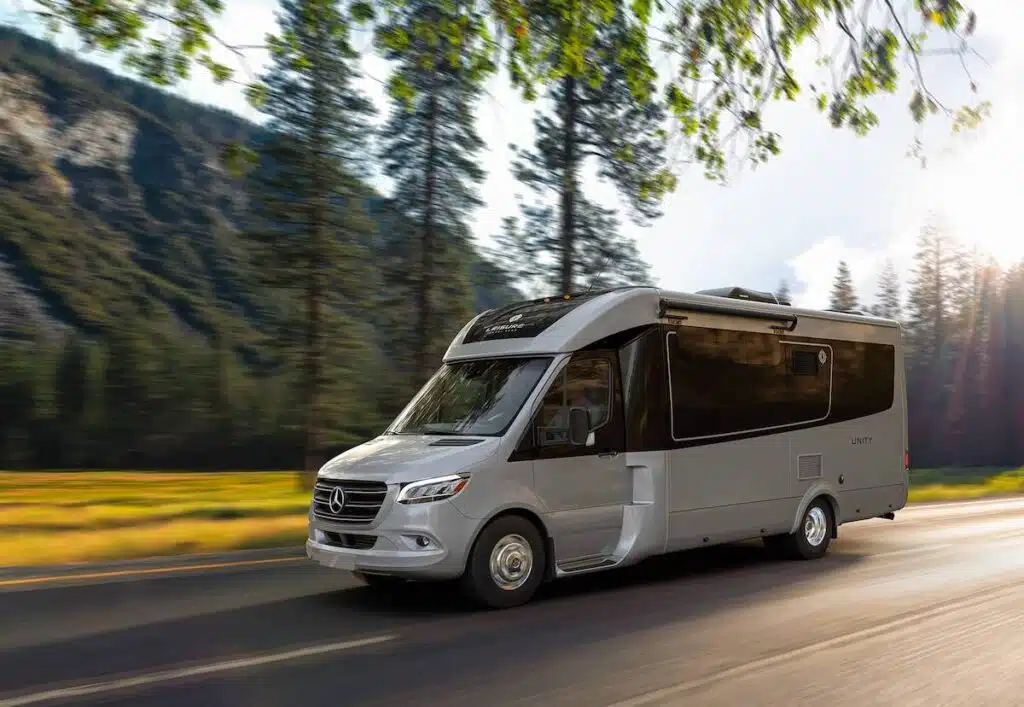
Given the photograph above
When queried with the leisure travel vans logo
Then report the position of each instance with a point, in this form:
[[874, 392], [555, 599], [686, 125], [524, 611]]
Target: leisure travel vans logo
[[504, 328]]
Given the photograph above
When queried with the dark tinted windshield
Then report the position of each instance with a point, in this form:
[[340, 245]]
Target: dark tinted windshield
[[473, 397]]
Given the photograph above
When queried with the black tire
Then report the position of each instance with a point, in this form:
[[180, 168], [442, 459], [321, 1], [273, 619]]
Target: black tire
[[800, 545], [477, 581]]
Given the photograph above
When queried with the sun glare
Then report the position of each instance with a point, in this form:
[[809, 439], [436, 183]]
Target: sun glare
[[976, 187], [978, 194]]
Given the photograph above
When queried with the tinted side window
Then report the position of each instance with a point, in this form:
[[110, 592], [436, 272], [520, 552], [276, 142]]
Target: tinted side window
[[586, 382], [725, 382], [864, 380], [590, 381], [645, 396]]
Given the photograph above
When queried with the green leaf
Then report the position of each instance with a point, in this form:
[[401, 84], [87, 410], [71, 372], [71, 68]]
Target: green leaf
[[363, 12], [401, 90], [238, 159], [642, 10], [256, 94], [917, 106]]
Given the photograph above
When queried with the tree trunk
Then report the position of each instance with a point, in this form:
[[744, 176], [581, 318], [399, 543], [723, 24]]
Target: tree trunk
[[312, 371], [423, 367], [319, 232], [567, 225]]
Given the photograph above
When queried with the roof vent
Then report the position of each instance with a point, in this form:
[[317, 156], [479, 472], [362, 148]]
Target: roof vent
[[743, 294]]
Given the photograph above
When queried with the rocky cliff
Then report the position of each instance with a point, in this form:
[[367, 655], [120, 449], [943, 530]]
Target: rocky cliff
[[114, 201]]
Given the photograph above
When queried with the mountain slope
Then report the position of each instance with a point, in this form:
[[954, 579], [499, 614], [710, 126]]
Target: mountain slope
[[114, 202]]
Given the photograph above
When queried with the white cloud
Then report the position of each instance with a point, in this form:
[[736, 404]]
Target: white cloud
[[816, 268]]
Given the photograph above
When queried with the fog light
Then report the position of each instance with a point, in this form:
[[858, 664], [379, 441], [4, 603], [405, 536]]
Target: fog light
[[418, 542]]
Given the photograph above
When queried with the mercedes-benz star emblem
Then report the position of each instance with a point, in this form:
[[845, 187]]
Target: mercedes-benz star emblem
[[337, 500]]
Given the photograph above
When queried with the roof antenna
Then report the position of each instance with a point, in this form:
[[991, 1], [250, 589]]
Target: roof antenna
[[594, 280]]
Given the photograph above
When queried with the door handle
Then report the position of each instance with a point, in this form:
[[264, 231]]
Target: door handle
[[608, 454]]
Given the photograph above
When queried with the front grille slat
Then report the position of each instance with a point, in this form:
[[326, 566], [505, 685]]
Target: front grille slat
[[363, 500], [351, 541]]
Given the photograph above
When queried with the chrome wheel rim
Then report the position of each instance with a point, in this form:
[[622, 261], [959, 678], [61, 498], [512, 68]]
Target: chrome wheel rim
[[511, 562], [815, 526]]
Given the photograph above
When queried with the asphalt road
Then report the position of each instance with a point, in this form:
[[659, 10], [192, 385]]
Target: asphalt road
[[924, 610]]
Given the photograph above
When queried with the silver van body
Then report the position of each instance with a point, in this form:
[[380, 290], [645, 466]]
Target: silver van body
[[709, 420]]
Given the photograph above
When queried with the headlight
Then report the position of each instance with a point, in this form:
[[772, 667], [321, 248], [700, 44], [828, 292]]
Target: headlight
[[436, 489]]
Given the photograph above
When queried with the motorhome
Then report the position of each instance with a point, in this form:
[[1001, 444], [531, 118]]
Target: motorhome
[[582, 433]]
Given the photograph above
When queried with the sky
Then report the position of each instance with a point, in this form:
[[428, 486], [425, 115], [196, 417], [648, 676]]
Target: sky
[[830, 195]]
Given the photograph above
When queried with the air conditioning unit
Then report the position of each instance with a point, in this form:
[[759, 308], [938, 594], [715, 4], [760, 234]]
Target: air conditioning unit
[[743, 293]]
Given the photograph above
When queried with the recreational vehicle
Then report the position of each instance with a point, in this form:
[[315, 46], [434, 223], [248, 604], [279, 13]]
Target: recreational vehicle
[[581, 433]]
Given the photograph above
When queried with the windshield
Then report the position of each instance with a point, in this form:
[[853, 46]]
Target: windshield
[[472, 397]]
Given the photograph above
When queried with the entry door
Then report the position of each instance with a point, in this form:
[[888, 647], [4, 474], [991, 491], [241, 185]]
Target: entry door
[[584, 488]]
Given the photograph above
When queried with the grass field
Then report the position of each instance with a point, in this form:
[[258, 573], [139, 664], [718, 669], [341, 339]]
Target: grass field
[[953, 484], [64, 517], [58, 517]]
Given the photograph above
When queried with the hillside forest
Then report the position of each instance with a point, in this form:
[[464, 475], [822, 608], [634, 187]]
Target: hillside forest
[[164, 307]]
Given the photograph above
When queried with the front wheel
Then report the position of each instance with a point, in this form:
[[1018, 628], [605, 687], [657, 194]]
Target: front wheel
[[506, 564], [812, 538]]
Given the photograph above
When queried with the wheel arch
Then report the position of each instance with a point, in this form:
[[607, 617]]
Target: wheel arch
[[533, 517], [812, 495]]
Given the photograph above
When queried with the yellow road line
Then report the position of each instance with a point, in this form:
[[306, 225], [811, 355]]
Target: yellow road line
[[145, 571]]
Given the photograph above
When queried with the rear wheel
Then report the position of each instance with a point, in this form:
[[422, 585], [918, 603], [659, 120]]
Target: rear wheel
[[813, 536], [506, 564]]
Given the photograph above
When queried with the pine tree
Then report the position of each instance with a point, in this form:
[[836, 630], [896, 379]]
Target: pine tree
[[967, 278], [973, 379], [782, 293], [604, 256], [889, 304], [930, 338], [95, 412], [523, 257], [311, 227], [597, 120], [843, 298], [431, 149], [16, 403], [930, 297], [1011, 388], [71, 400]]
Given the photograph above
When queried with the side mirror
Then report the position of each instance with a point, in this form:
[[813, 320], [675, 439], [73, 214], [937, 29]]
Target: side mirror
[[579, 426]]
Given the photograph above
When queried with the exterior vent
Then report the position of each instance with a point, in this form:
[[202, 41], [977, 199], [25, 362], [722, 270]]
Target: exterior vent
[[808, 466], [351, 540], [455, 442], [805, 363], [743, 293]]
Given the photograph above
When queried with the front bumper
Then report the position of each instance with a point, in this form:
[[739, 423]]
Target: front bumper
[[400, 532]]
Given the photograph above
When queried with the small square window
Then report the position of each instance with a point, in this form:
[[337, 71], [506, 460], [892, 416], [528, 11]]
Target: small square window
[[805, 363]]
